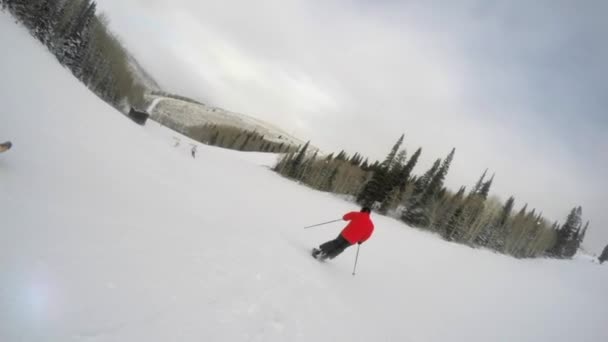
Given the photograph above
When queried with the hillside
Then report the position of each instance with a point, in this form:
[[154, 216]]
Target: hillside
[[180, 114]]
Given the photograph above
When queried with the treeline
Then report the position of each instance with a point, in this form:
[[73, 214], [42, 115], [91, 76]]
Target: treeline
[[470, 217], [82, 42], [338, 174], [236, 139]]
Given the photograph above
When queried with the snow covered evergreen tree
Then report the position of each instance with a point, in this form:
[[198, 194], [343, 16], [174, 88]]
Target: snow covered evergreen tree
[[378, 187], [436, 182], [416, 212], [402, 178], [294, 168], [567, 237]]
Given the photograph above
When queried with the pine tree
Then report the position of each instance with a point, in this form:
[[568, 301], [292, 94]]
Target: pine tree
[[365, 165], [416, 213], [437, 180], [506, 211], [565, 246], [282, 166], [447, 210], [485, 188], [245, 142], [306, 169], [581, 236], [374, 189], [423, 182], [405, 173], [378, 188], [356, 160], [390, 158], [419, 210], [479, 184], [499, 234], [455, 226], [400, 161], [393, 179], [295, 166], [341, 156]]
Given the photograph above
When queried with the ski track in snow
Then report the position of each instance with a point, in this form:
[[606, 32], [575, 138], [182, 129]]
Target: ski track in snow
[[110, 233], [153, 104]]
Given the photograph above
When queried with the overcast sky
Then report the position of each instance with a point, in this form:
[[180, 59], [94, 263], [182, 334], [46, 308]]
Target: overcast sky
[[518, 87]]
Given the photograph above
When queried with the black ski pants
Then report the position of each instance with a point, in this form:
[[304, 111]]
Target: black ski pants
[[334, 247]]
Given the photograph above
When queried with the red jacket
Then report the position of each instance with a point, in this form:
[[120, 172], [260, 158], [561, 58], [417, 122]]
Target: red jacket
[[359, 228]]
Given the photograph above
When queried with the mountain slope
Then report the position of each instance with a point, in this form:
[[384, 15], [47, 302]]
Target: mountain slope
[[110, 233], [181, 113]]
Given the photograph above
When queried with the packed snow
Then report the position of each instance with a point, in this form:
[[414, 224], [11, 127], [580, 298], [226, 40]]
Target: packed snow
[[114, 232]]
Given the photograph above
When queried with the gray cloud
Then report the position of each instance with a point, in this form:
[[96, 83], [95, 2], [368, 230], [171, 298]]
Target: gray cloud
[[517, 87]]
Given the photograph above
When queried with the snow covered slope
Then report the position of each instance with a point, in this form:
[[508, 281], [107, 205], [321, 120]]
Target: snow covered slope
[[110, 233], [182, 113]]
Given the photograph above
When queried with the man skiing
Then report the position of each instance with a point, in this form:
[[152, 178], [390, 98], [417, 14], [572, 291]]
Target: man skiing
[[604, 256], [358, 230]]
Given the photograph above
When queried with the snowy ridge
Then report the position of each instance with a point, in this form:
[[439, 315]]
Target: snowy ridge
[[188, 114], [110, 232]]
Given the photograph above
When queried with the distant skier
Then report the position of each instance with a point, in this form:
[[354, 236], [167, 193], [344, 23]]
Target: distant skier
[[193, 151], [5, 146], [358, 230], [604, 256]]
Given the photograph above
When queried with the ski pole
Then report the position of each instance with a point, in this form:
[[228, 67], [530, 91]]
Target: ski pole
[[356, 258], [320, 224]]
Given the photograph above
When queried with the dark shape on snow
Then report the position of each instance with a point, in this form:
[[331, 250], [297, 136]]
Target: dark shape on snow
[[138, 116], [5, 146], [604, 256]]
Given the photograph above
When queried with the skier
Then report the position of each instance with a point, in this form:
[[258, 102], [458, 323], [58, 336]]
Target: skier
[[604, 256], [358, 230], [5, 146], [193, 151]]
